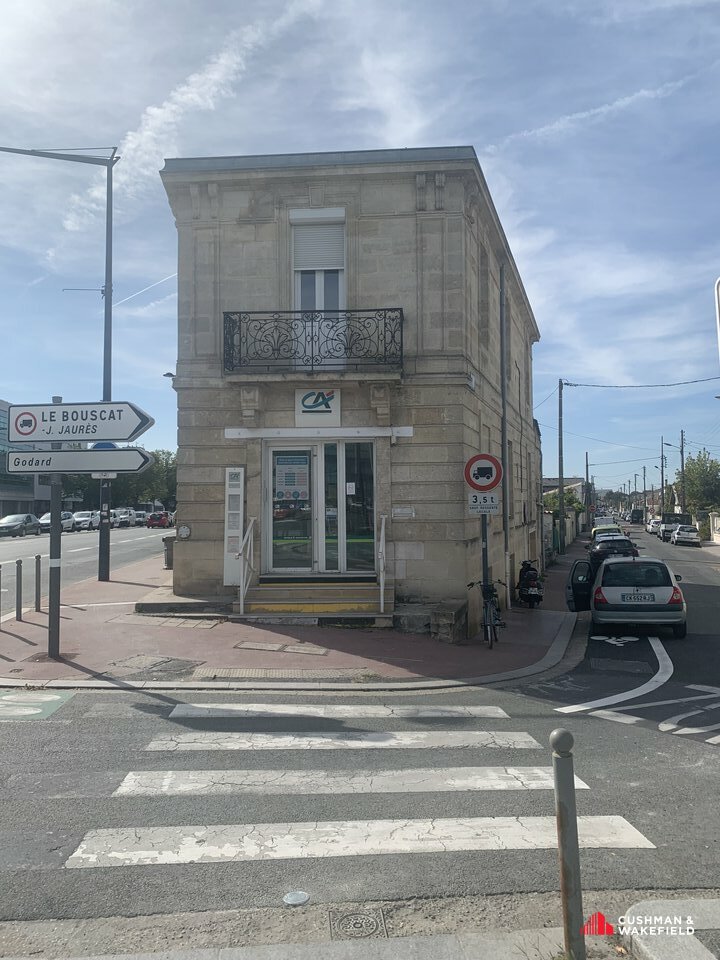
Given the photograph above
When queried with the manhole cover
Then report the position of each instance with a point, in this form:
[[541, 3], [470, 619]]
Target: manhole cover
[[358, 925]]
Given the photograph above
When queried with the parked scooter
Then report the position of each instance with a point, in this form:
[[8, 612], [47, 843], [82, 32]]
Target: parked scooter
[[529, 586]]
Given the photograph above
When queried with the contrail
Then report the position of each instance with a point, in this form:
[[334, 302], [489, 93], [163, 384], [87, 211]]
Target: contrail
[[137, 294]]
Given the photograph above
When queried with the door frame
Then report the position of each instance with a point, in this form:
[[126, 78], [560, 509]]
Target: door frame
[[316, 446]]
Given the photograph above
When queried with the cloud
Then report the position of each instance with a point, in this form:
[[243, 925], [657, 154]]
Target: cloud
[[567, 122], [156, 136]]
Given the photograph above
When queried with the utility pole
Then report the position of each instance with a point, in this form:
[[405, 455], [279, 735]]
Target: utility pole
[[587, 492], [662, 475], [561, 489], [682, 471], [644, 495]]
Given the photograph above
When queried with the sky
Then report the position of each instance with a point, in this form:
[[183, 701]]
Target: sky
[[595, 123]]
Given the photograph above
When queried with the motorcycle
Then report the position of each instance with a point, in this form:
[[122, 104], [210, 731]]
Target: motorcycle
[[529, 586]]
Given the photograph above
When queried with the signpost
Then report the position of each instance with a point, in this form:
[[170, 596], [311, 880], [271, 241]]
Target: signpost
[[40, 422], [483, 473], [56, 422], [126, 460]]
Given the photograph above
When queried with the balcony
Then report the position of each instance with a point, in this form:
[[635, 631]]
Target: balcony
[[295, 341]]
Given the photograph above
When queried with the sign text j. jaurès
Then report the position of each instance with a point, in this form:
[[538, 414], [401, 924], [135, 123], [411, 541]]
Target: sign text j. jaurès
[[65, 421]]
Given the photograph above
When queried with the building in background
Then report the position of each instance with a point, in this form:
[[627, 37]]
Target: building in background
[[339, 361]]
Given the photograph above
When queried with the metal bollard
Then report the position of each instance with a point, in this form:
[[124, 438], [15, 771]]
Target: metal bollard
[[18, 589], [562, 742], [38, 574]]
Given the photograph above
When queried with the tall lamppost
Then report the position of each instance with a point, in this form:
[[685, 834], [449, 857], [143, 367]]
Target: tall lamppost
[[108, 163]]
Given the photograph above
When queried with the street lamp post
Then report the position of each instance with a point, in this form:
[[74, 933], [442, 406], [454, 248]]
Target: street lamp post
[[108, 163]]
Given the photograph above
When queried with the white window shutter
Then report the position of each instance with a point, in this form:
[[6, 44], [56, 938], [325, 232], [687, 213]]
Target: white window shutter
[[319, 246]]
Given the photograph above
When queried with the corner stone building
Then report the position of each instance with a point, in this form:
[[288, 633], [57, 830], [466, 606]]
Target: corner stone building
[[339, 361]]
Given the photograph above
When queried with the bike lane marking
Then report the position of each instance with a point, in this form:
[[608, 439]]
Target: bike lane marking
[[664, 672]]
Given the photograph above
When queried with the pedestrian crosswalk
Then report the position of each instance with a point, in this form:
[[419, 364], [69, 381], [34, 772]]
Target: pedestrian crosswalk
[[338, 782]]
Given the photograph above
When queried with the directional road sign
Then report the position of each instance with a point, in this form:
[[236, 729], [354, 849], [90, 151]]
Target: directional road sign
[[77, 421], [127, 460]]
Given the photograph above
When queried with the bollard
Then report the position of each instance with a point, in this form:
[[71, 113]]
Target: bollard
[[561, 742], [38, 574], [18, 589]]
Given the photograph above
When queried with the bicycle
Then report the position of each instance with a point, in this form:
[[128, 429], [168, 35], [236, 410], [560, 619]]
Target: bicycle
[[491, 615]]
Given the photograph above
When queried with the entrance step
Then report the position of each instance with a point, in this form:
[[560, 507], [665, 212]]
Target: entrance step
[[318, 598]]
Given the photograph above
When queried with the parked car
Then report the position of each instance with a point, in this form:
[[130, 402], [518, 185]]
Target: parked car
[[87, 520], [611, 547], [665, 531], [158, 520], [125, 517], [140, 518], [626, 590], [652, 525], [19, 525], [67, 522], [686, 534]]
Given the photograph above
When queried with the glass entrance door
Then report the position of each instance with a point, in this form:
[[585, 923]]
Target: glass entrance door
[[323, 508], [292, 511]]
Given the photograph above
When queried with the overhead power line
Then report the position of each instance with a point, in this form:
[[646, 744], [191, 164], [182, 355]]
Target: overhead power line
[[638, 386], [546, 398]]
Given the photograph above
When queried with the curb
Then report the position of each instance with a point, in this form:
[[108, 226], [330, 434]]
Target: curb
[[705, 916], [552, 658]]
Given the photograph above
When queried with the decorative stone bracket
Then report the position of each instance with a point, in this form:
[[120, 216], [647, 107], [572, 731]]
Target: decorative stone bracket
[[249, 405], [380, 401]]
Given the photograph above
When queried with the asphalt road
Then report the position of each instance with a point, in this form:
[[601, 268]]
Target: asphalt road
[[79, 558], [83, 833]]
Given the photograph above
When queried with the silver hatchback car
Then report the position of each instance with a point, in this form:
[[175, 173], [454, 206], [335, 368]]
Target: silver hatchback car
[[628, 590]]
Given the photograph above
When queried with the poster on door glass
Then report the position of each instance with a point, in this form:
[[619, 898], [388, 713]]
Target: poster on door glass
[[292, 476]]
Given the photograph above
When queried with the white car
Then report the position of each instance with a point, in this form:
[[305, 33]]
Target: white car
[[87, 520], [67, 522], [649, 528], [140, 518], [686, 534], [124, 517]]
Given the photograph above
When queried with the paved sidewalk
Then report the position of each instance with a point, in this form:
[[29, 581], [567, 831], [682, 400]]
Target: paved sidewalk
[[104, 642]]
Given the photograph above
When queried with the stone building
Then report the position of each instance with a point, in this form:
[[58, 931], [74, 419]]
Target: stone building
[[339, 361]]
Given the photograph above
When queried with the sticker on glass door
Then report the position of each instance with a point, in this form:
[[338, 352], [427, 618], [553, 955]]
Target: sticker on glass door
[[292, 544]]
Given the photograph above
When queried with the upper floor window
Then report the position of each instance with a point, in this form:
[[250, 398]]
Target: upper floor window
[[318, 246]]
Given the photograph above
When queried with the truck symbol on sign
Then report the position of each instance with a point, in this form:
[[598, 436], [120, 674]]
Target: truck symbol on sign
[[483, 472], [27, 422]]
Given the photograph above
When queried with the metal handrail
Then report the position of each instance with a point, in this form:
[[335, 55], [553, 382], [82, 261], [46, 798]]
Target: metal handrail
[[246, 556], [381, 561]]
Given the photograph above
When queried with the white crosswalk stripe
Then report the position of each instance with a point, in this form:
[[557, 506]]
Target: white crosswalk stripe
[[343, 740], [335, 711], [153, 783], [289, 841], [187, 844]]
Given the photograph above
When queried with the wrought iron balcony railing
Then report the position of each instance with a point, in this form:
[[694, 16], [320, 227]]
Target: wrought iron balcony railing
[[296, 340]]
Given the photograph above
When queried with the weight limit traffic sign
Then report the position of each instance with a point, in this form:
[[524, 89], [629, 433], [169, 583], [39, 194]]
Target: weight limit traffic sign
[[483, 472]]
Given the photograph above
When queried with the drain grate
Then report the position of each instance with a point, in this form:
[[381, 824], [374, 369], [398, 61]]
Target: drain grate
[[621, 666], [358, 925]]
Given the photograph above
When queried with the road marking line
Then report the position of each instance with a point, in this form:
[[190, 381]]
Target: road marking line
[[700, 686], [154, 783], [342, 741], [288, 841], [713, 740], [613, 715], [665, 671], [334, 711], [671, 725], [78, 549]]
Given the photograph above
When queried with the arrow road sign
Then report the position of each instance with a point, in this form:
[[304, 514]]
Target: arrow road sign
[[128, 460], [77, 421]]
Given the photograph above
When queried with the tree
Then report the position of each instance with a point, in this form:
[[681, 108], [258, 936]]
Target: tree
[[570, 499], [702, 482], [158, 482]]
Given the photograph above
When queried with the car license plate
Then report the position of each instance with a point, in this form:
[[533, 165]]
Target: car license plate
[[533, 590], [637, 597]]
